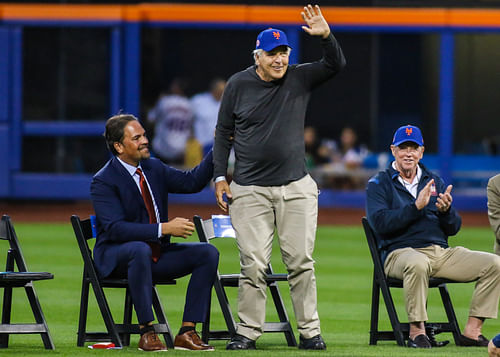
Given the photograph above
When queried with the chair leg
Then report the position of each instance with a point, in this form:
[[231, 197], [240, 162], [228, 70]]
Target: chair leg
[[39, 317], [106, 314], [391, 311], [127, 317], [205, 330], [6, 313], [225, 307], [82, 321], [283, 316], [450, 313], [374, 313], [162, 319]]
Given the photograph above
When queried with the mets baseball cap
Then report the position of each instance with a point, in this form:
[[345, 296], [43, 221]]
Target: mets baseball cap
[[271, 38], [408, 133], [496, 340]]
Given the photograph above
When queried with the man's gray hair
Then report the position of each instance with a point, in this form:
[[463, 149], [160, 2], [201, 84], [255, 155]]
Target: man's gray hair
[[258, 52]]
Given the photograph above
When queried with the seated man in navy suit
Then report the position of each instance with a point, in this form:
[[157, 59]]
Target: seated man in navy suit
[[130, 198]]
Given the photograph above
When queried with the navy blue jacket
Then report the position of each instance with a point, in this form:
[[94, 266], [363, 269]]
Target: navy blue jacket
[[397, 222], [120, 210]]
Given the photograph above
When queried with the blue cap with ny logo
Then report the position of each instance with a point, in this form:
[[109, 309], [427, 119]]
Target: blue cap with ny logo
[[271, 38], [408, 133]]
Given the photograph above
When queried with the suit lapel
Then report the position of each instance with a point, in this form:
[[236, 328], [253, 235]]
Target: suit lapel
[[128, 181]]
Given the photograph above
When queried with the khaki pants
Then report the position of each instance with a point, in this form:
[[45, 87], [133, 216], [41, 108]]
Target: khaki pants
[[415, 266], [255, 213]]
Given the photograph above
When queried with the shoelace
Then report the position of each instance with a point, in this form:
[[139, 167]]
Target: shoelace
[[154, 337]]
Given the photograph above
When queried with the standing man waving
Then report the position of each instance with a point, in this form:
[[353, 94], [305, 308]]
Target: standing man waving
[[262, 116]]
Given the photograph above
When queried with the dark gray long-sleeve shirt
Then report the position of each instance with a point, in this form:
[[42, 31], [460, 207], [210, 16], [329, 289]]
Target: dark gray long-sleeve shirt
[[264, 121]]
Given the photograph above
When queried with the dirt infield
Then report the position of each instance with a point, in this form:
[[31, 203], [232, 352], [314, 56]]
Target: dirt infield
[[61, 212]]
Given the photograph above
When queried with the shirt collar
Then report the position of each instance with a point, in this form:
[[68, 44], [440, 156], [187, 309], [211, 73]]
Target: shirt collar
[[419, 171], [130, 168]]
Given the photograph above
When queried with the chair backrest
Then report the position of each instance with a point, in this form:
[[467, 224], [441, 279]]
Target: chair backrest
[[219, 226], [7, 232], [372, 244], [3, 229], [216, 227], [83, 232]]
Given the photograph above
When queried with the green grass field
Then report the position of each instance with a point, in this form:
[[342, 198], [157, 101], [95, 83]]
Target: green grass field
[[343, 271]]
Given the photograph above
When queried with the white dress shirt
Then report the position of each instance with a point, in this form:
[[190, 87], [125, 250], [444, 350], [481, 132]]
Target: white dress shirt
[[131, 170], [413, 186]]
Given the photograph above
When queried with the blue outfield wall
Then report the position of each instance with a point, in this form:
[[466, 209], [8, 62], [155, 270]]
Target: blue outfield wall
[[468, 173], [470, 176], [337, 199], [76, 187]]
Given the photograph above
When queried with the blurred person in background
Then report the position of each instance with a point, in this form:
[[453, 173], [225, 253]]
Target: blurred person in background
[[348, 158], [348, 152], [493, 193], [262, 116], [410, 209], [172, 117], [346, 162], [130, 199], [316, 153], [205, 108]]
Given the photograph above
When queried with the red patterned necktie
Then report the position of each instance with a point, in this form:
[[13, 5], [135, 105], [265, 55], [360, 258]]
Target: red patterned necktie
[[148, 201]]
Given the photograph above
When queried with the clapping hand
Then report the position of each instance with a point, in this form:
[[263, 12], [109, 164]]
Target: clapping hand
[[444, 200]]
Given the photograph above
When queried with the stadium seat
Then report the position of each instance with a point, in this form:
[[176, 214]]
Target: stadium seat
[[400, 330], [22, 278], [220, 227], [119, 334]]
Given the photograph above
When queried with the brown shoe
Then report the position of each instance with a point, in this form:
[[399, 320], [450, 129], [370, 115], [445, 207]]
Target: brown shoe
[[151, 343], [190, 341]]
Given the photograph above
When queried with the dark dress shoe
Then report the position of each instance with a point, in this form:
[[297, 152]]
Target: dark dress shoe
[[421, 341], [240, 342], [313, 343], [470, 342], [151, 343], [190, 341]]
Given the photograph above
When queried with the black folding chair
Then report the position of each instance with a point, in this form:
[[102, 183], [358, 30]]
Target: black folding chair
[[21, 278], [205, 230], [381, 283], [119, 334]]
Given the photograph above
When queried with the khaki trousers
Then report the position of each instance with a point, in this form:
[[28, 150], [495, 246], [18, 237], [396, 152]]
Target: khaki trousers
[[415, 266], [255, 213]]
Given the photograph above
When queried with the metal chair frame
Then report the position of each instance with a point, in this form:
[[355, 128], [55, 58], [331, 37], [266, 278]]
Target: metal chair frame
[[22, 278], [119, 334], [381, 283], [205, 231]]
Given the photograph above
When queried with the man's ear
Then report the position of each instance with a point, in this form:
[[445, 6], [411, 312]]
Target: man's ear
[[393, 147], [118, 147]]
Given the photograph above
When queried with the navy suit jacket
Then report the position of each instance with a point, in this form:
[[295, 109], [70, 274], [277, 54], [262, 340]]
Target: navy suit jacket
[[120, 210]]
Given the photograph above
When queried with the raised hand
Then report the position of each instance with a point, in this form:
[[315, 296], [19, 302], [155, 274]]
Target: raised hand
[[444, 200], [424, 195], [316, 23]]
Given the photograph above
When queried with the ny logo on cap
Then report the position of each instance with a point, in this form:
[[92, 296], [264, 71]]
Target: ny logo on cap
[[276, 35], [409, 131]]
